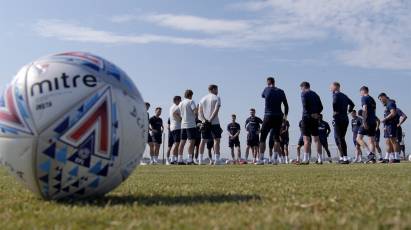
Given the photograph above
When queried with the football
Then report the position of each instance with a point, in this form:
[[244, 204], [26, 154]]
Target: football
[[72, 125]]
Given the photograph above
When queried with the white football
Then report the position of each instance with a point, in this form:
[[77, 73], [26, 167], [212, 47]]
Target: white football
[[72, 125]]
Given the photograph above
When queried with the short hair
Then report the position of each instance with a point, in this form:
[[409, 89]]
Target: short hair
[[252, 109], [305, 84], [382, 95], [364, 88], [188, 93], [337, 84], [212, 87], [353, 111], [176, 98], [158, 108], [147, 104], [271, 80], [233, 115]]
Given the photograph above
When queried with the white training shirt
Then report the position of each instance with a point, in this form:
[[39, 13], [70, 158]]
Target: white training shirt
[[208, 104], [174, 123], [188, 116]]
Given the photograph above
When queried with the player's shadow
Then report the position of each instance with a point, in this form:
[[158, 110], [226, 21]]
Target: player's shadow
[[158, 200]]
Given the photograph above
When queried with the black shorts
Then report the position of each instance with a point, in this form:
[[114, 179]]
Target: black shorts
[[170, 140], [372, 126], [390, 131], [157, 137], [234, 142], [214, 132], [253, 140], [309, 126], [273, 124], [149, 138], [378, 135], [176, 135], [189, 134]]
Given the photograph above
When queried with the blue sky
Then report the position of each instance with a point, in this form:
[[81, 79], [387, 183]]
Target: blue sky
[[169, 46]]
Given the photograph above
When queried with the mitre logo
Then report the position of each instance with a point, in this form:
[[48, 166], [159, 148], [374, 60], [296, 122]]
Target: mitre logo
[[63, 82]]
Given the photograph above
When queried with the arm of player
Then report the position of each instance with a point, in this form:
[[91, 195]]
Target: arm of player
[[215, 112], [351, 105], [177, 116], [201, 113], [393, 113], [403, 118]]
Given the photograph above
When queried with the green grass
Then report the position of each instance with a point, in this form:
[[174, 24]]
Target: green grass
[[228, 197]]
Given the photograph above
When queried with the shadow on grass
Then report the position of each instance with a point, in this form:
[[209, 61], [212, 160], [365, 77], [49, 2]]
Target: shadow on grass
[[154, 200]]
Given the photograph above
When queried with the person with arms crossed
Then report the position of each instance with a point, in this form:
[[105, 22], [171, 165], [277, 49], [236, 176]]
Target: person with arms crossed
[[156, 128], [369, 125], [188, 111], [233, 138], [312, 108], [175, 126], [208, 114], [390, 121], [341, 104], [252, 125], [273, 116]]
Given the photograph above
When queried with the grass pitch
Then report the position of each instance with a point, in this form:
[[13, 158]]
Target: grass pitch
[[228, 197]]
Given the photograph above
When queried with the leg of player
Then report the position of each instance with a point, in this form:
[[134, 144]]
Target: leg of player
[[182, 144], [361, 142], [210, 145], [273, 156], [247, 152], [203, 144], [238, 153], [191, 145], [217, 151], [169, 149], [285, 149], [307, 149], [232, 153], [396, 148], [371, 146], [324, 144], [319, 149], [390, 150]]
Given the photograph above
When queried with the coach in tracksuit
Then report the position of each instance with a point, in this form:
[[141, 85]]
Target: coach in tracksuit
[[341, 104]]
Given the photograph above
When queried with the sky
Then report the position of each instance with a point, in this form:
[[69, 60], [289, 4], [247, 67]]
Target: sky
[[169, 46]]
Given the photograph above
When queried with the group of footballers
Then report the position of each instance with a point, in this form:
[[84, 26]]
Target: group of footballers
[[194, 127]]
